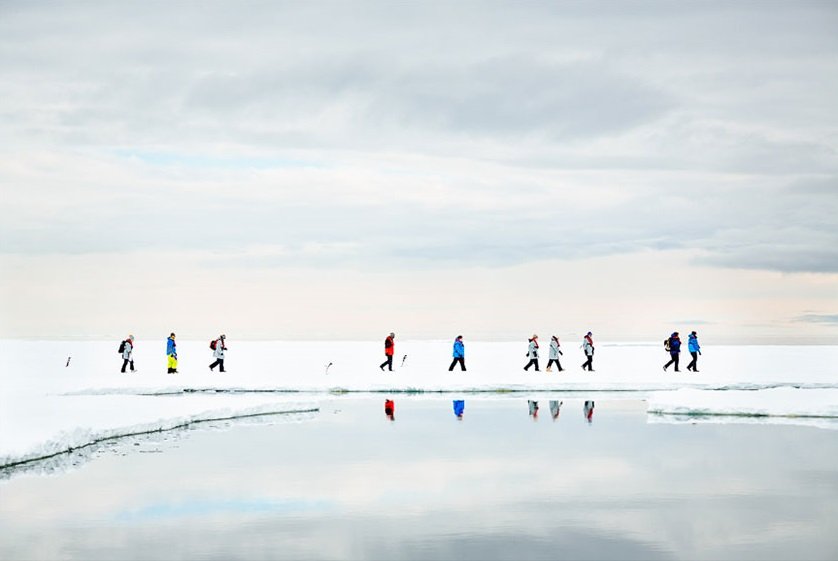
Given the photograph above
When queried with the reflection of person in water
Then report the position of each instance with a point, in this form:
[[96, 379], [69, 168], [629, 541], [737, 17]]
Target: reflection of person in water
[[533, 409], [390, 409], [555, 408], [589, 410], [459, 408]]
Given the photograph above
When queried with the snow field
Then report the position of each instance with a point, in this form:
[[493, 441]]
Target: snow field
[[47, 407]]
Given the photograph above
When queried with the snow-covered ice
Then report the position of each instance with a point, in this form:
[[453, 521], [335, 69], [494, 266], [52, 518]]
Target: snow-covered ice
[[46, 407]]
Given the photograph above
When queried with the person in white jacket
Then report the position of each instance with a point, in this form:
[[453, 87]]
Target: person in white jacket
[[555, 351], [588, 347], [218, 353], [128, 353], [532, 354]]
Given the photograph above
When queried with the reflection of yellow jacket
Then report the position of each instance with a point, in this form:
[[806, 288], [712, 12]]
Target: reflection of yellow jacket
[[172, 362]]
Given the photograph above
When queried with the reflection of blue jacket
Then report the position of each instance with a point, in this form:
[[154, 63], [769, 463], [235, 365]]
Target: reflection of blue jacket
[[459, 349], [170, 347], [459, 407], [693, 344]]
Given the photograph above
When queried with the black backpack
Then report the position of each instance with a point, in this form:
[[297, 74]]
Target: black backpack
[[666, 346], [121, 347]]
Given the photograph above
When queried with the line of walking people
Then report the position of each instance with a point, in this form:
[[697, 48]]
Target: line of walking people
[[587, 347], [218, 346]]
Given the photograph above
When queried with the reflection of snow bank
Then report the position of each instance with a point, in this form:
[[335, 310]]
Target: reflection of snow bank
[[775, 403]]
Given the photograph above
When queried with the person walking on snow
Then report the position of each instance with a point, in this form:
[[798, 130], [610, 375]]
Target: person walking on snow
[[695, 350], [459, 354], [555, 351], [588, 347], [219, 348], [674, 351], [171, 354], [128, 353], [389, 349], [532, 354]]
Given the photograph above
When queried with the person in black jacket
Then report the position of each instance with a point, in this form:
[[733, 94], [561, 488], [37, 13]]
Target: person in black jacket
[[674, 351]]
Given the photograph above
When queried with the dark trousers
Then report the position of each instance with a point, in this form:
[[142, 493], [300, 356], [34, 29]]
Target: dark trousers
[[675, 358], [457, 359], [589, 364], [531, 363], [125, 363], [218, 362], [558, 364], [388, 363], [694, 364]]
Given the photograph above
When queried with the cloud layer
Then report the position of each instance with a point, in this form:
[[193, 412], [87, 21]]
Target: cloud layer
[[421, 136]]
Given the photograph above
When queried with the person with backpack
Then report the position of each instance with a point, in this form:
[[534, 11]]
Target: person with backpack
[[695, 350], [555, 351], [219, 348], [171, 354], [587, 347], [673, 345], [126, 347], [459, 354], [389, 349], [532, 354]]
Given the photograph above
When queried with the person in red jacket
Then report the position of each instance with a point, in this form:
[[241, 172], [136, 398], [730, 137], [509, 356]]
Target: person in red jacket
[[390, 409], [389, 349]]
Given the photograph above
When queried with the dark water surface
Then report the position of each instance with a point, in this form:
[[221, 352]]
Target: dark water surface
[[497, 484]]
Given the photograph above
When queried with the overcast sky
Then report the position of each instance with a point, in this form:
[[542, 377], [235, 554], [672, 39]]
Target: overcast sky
[[317, 170]]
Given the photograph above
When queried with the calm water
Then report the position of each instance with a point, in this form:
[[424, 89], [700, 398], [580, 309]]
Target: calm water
[[497, 484]]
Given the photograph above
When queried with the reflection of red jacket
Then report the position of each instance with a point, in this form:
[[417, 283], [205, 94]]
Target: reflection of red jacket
[[389, 407], [389, 346]]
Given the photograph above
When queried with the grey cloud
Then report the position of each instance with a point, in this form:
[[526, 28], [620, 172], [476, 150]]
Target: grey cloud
[[517, 95], [828, 319], [781, 228], [735, 101]]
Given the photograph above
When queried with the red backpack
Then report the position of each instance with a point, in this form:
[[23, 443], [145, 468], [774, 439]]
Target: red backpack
[[213, 343]]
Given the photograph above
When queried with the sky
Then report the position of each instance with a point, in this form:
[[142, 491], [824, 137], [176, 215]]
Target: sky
[[340, 170]]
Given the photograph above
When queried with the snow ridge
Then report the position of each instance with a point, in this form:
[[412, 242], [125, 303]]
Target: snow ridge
[[81, 437]]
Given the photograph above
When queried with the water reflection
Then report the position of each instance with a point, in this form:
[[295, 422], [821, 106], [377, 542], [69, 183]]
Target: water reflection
[[533, 408], [555, 409], [459, 408], [390, 409], [493, 489], [588, 410]]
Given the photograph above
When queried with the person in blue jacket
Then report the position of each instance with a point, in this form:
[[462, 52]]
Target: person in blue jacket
[[674, 351], [459, 354], [695, 350], [171, 354]]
